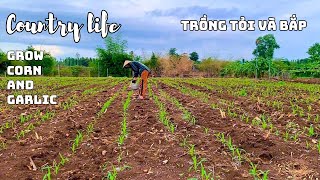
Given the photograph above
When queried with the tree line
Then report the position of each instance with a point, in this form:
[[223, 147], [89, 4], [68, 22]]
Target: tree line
[[110, 58]]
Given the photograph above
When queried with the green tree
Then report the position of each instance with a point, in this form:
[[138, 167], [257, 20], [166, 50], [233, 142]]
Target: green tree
[[153, 61], [265, 47], [173, 52], [3, 62], [155, 65], [314, 52], [47, 62], [194, 56], [111, 57]]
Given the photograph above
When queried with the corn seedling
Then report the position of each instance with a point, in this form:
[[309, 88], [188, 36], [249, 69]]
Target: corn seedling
[[21, 134], [311, 131], [55, 167], [112, 175], [316, 120], [69, 103], [309, 108], [184, 142], [127, 102], [253, 171], [295, 136], [230, 146], [163, 113], [196, 163], [63, 160], [47, 116], [25, 118], [286, 136], [3, 145], [242, 92], [77, 141], [236, 152], [204, 174], [90, 128], [108, 103], [206, 130], [308, 146], [264, 175], [192, 150], [47, 176]]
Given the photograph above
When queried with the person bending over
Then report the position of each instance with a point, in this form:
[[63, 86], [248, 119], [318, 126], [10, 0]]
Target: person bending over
[[142, 70]]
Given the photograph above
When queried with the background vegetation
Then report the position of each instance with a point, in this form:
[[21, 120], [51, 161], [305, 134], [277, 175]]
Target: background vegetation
[[110, 58]]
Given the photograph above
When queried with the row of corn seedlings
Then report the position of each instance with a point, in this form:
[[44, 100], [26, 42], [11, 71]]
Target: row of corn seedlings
[[186, 114], [48, 115], [239, 156], [28, 128], [76, 142], [113, 173], [124, 130], [197, 161]]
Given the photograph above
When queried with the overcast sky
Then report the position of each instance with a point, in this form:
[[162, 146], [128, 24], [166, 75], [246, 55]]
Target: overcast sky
[[155, 26]]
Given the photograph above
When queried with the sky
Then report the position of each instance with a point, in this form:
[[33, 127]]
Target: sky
[[154, 26]]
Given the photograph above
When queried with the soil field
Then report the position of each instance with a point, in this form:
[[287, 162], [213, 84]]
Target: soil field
[[185, 129]]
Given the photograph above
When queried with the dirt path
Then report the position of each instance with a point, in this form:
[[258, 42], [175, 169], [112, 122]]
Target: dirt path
[[284, 160], [150, 150], [55, 137]]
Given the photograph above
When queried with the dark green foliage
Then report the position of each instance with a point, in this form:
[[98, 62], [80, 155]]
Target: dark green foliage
[[239, 69], [154, 65], [194, 56], [111, 65], [314, 52], [112, 57], [47, 63], [265, 46], [81, 61], [3, 62], [173, 52]]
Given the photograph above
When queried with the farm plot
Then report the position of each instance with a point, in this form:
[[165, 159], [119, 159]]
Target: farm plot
[[186, 129]]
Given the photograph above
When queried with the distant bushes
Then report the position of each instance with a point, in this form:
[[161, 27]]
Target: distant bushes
[[73, 71], [176, 65], [212, 67]]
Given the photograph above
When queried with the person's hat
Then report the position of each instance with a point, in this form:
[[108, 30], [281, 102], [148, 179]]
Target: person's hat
[[126, 63]]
